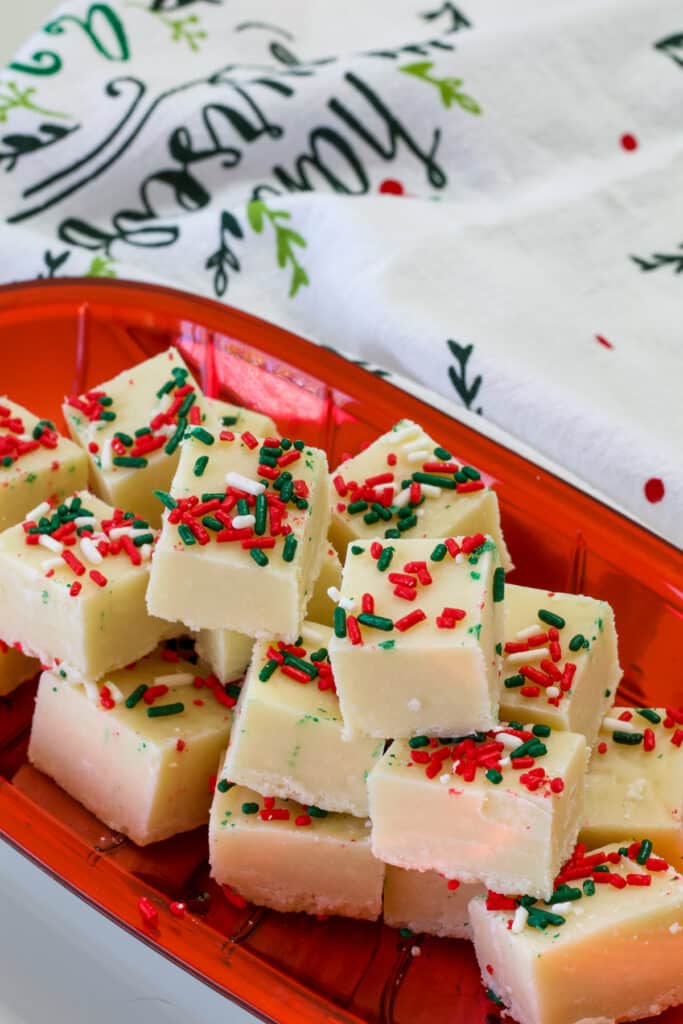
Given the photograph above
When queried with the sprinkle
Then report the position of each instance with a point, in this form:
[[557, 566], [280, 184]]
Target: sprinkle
[[259, 556], [244, 521], [200, 465], [130, 461], [376, 622], [445, 482], [166, 499], [249, 439], [164, 710], [384, 559], [74, 563], [206, 438], [499, 584], [303, 819], [46, 541], [177, 908], [551, 619], [649, 714], [339, 622], [98, 578], [244, 483], [519, 921], [353, 630], [577, 642], [513, 681], [75, 588], [136, 696], [148, 912], [186, 534], [631, 739], [409, 620], [289, 549], [494, 776]]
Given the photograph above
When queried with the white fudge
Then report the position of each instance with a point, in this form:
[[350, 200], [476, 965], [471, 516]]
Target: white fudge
[[423, 656], [425, 901], [502, 807], [36, 464], [15, 668], [72, 586], [634, 785], [287, 739], [321, 606], [406, 485], [608, 950], [243, 535], [139, 748], [131, 426], [561, 663], [283, 855]]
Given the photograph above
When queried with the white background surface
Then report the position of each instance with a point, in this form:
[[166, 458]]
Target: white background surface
[[60, 960]]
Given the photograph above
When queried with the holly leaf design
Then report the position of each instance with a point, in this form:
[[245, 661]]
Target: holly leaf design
[[450, 90], [672, 46], [53, 263], [657, 260], [457, 19], [467, 391], [255, 211], [285, 240], [100, 266], [224, 258]]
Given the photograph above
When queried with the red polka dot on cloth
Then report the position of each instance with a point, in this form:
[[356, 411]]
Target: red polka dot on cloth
[[603, 341], [391, 187], [654, 489], [629, 142]]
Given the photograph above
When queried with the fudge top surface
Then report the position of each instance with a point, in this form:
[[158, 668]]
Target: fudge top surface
[[27, 442], [448, 594], [241, 807], [596, 891]]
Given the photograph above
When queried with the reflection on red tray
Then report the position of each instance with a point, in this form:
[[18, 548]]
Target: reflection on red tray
[[57, 337]]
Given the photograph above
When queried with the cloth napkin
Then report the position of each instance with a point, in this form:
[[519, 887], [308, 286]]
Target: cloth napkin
[[485, 198]]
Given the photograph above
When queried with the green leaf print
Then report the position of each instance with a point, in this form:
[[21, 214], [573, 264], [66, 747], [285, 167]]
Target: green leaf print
[[100, 266], [285, 239], [183, 30], [673, 260], [12, 97], [450, 91]]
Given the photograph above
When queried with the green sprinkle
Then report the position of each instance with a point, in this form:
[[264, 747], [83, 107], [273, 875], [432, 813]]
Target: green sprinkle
[[299, 445], [376, 621], [211, 495], [287, 491], [267, 460], [250, 808], [370, 518], [186, 534], [316, 812], [384, 560], [301, 503], [355, 550], [382, 511], [499, 584], [303, 666], [130, 461], [136, 696], [201, 434], [223, 786], [392, 533], [144, 538], [260, 513], [164, 710], [541, 730], [188, 402], [601, 867], [650, 715], [140, 524], [644, 851], [589, 887], [405, 933], [289, 549], [165, 388], [437, 481], [471, 473], [629, 739], [608, 693], [339, 621], [494, 776], [551, 619], [490, 994], [175, 439], [499, 648], [539, 918], [530, 748], [7, 460], [319, 655], [418, 741], [439, 553], [475, 575], [387, 645], [267, 670], [576, 642], [200, 465], [357, 506], [229, 421], [124, 438], [564, 893], [512, 681], [142, 431], [259, 556], [211, 523], [407, 523], [106, 414]]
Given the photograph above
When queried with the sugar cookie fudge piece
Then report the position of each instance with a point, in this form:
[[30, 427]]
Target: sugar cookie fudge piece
[[425, 901], [243, 534], [560, 659], [72, 586], [131, 426], [35, 463], [287, 740], [228, 652], [406, 485], [598, 953], [416, 633], [502, 807], [138, 748], [634, 785], [290, 857], [15, 668]]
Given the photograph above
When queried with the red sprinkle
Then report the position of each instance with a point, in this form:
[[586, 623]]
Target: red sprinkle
[[249, 439], [74, 563], [148, 912], [602, 748], [302, 819], [175, 906], [180, 745], [636, 879], [454, 884], [98, 578], [353, 630], [411, 619], [649, 741], [75, 589]]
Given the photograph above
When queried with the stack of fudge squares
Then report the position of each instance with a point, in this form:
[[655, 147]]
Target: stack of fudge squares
[[410, 735]]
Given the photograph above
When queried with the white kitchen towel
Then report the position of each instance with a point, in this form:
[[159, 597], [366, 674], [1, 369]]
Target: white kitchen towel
[[484, 197]]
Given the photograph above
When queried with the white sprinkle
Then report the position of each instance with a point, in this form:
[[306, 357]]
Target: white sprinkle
[[430, 491], [39, 510], [615, 724], [415, 951], [459, 558], [552, 691], [106, 456], [402, 498], [505, 762], [128, 531], [89, 551], [418, 456], [562, 908], [414, 704], [347, 603], [46, 541], [174, 679], [84, 520], [244, 483], [404, 433], [524, 657], [509, 741], [25, 437], [91, 691], [116, 694], [368, 823], [675, 928], [410, 446], [444, 779], [519, 920], [334, 594], [145, 552], [528, 631], [241, 522]]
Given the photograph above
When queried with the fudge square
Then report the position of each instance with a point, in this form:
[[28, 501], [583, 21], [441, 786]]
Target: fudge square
[[138, 748], [416, 631], [15, 668], [425, 901], [35, 463], [502, 807], [243, 534], [284, 855], [560, 659], [598, 953], [72, 586], [287, 738], [634, 785], [228, 652], [131, 426], [406, 485]]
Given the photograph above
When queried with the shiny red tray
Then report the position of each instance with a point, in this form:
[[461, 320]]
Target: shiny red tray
[[57, 338]]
